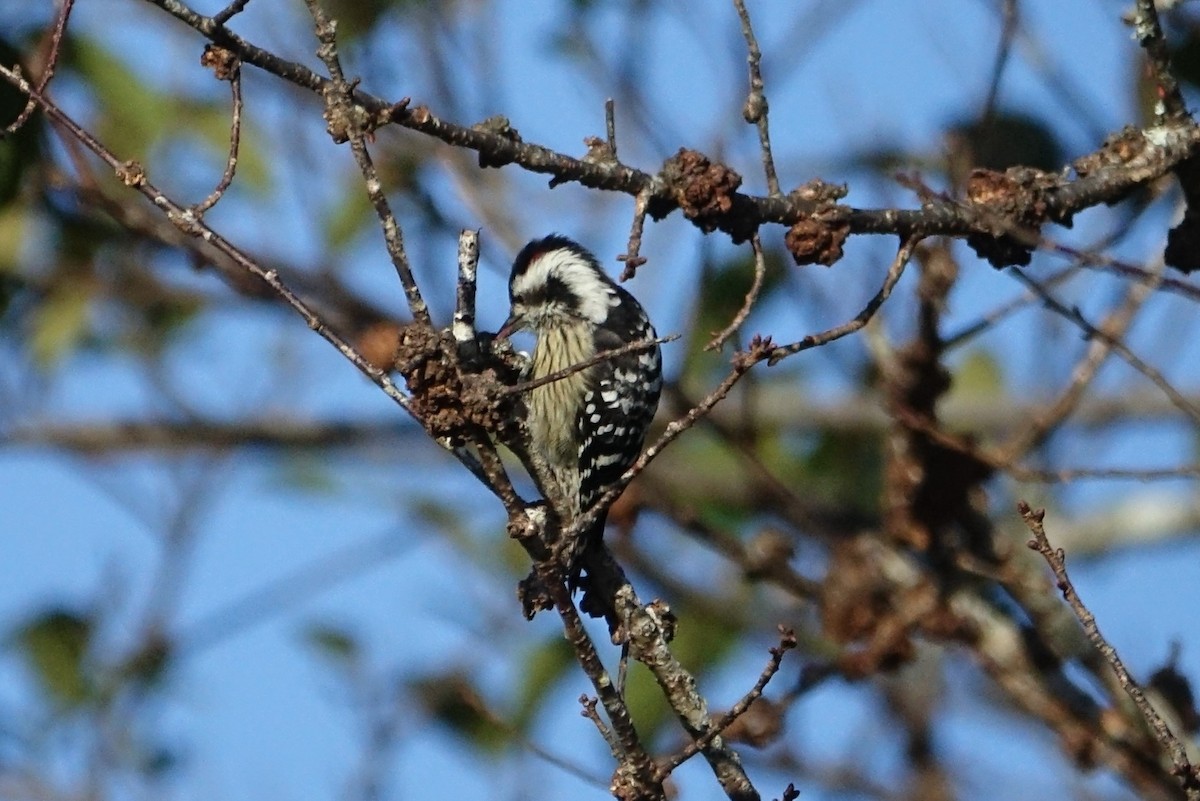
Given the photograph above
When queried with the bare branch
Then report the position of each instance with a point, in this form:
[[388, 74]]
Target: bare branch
[[1114, 327], [230, 11], [760, 270], [1156, 152], [50, 62], [1107, 263], [347, 120], [1055, 557], [632, 255], [1134, 361], [227, 68], [1150, 36], [464, 307], [649, 629], [787, 642], [755, 111], [589, 711], [132, 175], [526, 526], [602, 356], [1010, 20], [903, 255], [610, 126]]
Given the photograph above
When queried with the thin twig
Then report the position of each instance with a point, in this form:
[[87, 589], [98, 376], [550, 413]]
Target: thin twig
[[632, 255], [1107, 263], [1067, 474], [1056, 558], [133, 176], [733, 548], [497, 476], [760, 270], [345, 117], [987, 321], [610, 126], [51, 61], [589, 711], [463, 327], [756, 109], [1150, 36], [227, 13], [1122, 350], [235, 133], [1008, 30], [903, 255], [649, 629], [787, 641], [602, 356], [1042, 425], [965, 445]]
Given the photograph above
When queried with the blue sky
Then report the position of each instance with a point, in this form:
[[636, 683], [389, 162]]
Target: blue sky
[[256, 714]]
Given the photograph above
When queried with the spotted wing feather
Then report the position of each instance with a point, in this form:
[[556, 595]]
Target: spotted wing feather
[[619, 403]]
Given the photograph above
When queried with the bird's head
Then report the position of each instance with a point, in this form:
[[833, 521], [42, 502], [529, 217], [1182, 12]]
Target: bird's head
[[555, 282]]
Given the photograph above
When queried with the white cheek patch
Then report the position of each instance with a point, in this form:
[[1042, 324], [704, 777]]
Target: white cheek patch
[[595, 295]]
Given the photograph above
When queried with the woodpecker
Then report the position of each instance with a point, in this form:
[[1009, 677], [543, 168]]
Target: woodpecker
[[588, 427]]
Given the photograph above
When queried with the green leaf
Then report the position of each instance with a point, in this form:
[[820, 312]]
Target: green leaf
[[333, 643], [349, 218], [14, 230], [133, 114], [22, 150], [723, 289], [443, 516], [544, 666], [978, 375], [305, 470], [843, 468], [136, 116], [60, 323], [453, 701], [54, 647]]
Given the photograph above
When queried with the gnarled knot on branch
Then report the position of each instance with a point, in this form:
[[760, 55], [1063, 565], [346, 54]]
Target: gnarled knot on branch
[[458, 399], [706, 192], [819, 237], [1014, 205], [224, 62], [344, 117]]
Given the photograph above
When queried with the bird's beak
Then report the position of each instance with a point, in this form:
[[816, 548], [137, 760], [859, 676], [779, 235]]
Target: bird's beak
[[512, 325]]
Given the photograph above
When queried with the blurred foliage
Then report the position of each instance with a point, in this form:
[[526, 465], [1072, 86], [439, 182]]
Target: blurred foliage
[[19, 151], [335, 644], [73, 281], [452, 700], [1006, 138], [60, 322], [542, 667], [977, 376], [722, 292], [54, 646], [842, 467], [138, 117]]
